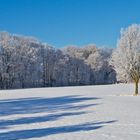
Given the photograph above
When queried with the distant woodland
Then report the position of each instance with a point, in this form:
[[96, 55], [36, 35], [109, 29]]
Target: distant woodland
[[26, 62]]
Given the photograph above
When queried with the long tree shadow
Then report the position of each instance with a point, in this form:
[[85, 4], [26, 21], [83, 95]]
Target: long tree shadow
[[37, 105], [69, 105], [38, 119], [38, 133]]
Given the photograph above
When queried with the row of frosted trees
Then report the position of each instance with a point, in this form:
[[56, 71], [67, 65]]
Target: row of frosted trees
[[26, 62]]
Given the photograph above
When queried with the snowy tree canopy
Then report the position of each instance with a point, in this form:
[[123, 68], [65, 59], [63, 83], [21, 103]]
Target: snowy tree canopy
[[27, 62], [126, 58]]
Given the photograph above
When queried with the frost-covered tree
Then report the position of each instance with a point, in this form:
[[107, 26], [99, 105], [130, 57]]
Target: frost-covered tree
[[17, 61], [126, 58], [8, 65], [49, 57], [26, 59], [96, 59], [26, 62]]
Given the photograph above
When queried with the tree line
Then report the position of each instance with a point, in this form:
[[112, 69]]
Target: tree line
[[26, 62]]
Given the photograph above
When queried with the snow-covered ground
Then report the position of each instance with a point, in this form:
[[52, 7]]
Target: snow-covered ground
[[107, 112]]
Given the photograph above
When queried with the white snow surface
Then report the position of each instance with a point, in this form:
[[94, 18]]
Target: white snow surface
[[105, 112]]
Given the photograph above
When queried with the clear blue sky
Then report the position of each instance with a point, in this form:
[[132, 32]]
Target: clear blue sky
[[64, 22]]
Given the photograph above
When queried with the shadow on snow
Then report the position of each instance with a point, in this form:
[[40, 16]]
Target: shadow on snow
[[37, 105], [38, 119], [38, 133], [72, 105]]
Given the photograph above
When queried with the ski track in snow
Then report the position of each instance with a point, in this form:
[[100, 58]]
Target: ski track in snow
[[105, 112]]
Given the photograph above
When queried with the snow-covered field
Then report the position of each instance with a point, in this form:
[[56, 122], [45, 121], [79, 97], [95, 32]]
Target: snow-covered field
[[107, 112]]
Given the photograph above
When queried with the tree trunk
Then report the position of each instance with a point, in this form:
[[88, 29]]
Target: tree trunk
[[136, 87]]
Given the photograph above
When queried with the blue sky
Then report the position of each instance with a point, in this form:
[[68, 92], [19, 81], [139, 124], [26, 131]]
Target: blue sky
[[66, 22]]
